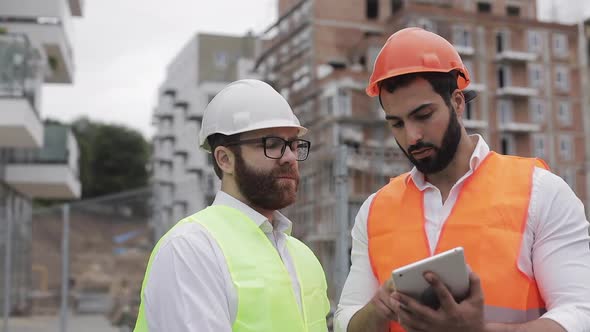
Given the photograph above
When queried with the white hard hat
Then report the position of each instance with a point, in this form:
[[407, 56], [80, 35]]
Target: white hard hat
[[243, 106]]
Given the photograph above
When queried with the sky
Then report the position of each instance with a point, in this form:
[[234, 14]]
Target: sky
[[122, 48]]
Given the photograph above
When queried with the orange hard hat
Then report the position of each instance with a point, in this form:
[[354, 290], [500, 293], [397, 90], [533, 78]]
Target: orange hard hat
[[415, 50]]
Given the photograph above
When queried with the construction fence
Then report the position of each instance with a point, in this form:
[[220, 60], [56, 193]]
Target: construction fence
[[85, 257]]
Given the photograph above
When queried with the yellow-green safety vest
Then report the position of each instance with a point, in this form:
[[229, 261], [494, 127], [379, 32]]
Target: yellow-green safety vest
[[266, 299]]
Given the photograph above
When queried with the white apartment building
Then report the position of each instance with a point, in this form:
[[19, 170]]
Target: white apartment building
[[183, 178], [37, 159]]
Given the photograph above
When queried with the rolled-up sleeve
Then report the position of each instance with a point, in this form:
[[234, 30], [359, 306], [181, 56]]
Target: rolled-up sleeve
[[361, 284], [561, 253]]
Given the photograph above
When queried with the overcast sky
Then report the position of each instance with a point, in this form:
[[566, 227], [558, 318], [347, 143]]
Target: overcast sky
[[122, 47]]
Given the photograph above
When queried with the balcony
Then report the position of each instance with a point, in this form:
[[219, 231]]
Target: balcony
[[163, 150], [197, 161], [164, 108], [47, 24], [165, 130], [284, 30], [48, 173], [475, 124], [516, 56], [162, 173], [519, 127], [516, 91], [20, 84], [477, 87], [464, 50]]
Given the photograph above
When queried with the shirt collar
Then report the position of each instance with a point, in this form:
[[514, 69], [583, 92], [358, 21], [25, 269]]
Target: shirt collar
[[281, 223], [480, 152]]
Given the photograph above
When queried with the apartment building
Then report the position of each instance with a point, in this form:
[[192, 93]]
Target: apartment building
[[183, 177], [37, 160], [526, 72], [584, 54]]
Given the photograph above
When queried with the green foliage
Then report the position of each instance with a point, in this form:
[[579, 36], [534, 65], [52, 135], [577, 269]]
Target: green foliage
[[112, 158]]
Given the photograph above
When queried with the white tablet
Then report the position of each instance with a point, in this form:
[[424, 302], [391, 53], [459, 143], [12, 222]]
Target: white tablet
[[449, 266]]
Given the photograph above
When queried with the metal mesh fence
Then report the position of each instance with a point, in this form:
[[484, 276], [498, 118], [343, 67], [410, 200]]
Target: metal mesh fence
[[94, 252]]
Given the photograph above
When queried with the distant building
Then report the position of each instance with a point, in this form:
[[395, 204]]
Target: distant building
[[37, 159], [183, 177]]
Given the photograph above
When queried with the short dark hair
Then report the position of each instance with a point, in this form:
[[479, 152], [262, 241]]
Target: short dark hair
[[216, 140], [442, 83]]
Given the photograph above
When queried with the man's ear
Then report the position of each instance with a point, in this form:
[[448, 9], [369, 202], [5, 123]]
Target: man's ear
[[458, 102], [225, 159]]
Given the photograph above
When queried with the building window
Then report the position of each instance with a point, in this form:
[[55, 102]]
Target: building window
[[539, 146], [221, 60], [513, 11], [296, 16], [484, 7], [503, 76], [469, 112], [535, 75], [426, 24], [271, 61], [566, 148], [569, 176], [283, 26], [501, 41], [560, 44], [535, 41], [329, 110], [372, 54], [396, 6], [505, 110], [537, 111], [284, 50], [564, 113], [462, 36], [507, 144], [343, 102], [372, 9], [562, 78], [469, 66]]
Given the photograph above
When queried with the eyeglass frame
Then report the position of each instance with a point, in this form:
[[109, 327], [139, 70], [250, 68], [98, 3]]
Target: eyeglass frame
[[263, 141]]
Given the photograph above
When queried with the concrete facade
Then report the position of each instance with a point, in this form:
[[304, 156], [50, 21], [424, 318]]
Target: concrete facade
[[183, 178]]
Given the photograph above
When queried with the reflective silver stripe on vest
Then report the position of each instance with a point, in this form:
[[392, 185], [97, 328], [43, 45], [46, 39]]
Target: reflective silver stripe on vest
[[506, 315]]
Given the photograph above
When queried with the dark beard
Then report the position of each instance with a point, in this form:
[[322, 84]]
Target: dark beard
[[443, 155], [263, 190]]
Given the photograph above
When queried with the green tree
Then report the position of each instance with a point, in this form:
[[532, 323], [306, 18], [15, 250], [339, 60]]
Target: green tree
[[112, 158]]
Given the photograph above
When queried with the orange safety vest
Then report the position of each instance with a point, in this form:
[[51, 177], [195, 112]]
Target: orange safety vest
[[488, 221]]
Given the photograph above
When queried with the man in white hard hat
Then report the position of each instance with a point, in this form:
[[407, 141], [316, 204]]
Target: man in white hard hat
[[234, 266]]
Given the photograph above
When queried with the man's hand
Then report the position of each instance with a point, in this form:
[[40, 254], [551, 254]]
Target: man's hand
[[383, 302], [377, 314], [466, 316]]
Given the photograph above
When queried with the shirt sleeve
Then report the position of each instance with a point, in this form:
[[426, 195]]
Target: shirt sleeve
[[561, 252], [186, 290], [361, 284]]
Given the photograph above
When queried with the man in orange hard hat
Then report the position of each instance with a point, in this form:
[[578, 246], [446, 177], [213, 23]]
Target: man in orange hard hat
[[523, 229]]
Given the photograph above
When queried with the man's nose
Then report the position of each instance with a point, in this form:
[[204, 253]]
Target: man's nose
[[414, 134]]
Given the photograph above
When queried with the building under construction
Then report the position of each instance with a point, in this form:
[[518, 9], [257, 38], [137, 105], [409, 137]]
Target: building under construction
[[527, 74]]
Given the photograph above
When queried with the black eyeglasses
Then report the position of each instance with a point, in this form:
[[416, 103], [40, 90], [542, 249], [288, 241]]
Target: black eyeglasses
[[274, 147]]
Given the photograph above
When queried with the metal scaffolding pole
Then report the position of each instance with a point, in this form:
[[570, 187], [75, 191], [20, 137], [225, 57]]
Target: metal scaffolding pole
[[65, 244], [7, 265], [341, 214]]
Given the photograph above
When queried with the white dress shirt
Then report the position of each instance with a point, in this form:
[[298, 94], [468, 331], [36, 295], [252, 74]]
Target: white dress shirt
[[556, 246], [189, 287]]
